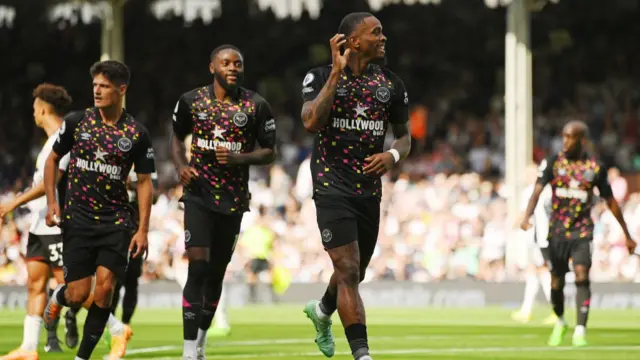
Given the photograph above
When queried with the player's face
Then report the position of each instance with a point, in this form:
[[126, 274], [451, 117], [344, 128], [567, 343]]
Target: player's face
[[571, 140], [106, 93], [228, 69], [38, 111], [369, 39]]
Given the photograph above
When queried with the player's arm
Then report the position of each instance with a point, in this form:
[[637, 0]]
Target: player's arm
[[266, 137], [318, 95], [182, 126], [33, 193], [602, 183], [144, 164], [545, 174], [61, 147]]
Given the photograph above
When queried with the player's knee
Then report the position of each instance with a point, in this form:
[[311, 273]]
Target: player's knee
[[197, 273], [583, 283], [349, 275], [557, 282], [36, 284], [77, 295]]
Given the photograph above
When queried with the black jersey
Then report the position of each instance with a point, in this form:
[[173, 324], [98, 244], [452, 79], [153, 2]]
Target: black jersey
[[363, 107], [236, 125], [572, 182], [101, 157]]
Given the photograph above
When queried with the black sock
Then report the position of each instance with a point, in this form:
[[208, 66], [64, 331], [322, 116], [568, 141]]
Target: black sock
[[583, 301], [192, 299], [53, 333], [73, 311], [60, 299], [93, 328], [129, 302], [329, 302], [206, 317], [557, 301], [357, 337]]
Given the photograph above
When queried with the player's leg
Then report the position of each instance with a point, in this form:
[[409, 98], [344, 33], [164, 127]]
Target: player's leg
[[544, 275], [221, 325], [112, 263], [116, 297], [130, 298], [198, 230], [224, 236], [581, 255], [252, 280], [559, 253]]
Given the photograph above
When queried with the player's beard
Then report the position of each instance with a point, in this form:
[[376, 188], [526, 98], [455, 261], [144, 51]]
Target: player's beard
[[225, 85]]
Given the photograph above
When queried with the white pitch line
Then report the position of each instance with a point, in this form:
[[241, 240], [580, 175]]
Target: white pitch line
[[419, 351], [310, 341]]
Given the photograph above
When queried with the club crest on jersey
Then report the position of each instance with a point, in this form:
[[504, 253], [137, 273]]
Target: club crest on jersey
[[240, 119], [383, 94], [125, 144]]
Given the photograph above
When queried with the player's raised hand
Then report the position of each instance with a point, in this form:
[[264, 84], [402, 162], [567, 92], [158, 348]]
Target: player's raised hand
[[339, 60], [378, 164], [225, 156], [187, 174], [6, 208], [53, 215], [139, 244]]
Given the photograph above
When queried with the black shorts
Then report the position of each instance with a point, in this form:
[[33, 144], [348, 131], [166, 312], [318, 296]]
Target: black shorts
[[343, 220], [561, 250], [83, 254], [45, 248], [209, 229], [134, 270], [259, 265]]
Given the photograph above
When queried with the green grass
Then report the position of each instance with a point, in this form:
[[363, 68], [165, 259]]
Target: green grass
[[282, 332]]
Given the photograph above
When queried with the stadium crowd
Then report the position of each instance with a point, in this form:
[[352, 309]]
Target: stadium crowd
[[444, 215]]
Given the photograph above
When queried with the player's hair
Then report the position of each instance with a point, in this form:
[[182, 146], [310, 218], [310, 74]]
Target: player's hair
[[54, 95], [351, 21], [117, 72], [220, 48]]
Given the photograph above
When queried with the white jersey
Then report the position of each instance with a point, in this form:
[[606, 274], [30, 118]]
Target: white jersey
[[541, 213], [38, 206]]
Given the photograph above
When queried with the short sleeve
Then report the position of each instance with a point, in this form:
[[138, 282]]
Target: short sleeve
[[182, 119], [399, 112], [266, 131], [545, 170], [312, 84], [144, 156], [64, 163], [66, 135], [602, 183]]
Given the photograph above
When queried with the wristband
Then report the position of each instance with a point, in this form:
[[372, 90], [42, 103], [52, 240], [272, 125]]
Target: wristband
[[395, 154]]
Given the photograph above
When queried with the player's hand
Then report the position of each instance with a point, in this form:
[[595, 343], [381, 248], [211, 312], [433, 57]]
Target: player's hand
[[378, 164], [139, 244], [631, 245], [225, 156], [187, 173], [525, 224], [339, 60], [6, 208], [53, 215]]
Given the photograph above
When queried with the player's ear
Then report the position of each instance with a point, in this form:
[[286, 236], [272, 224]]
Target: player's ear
[[212, 68], [123, 89]]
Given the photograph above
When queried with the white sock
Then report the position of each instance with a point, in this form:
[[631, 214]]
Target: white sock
[[545, 284], [116, 327], [201, 341], [31, 333], [530, 291], [190, 349], [561, 321], [321, 315], [579, 331], [79, 358], [220, 320]]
